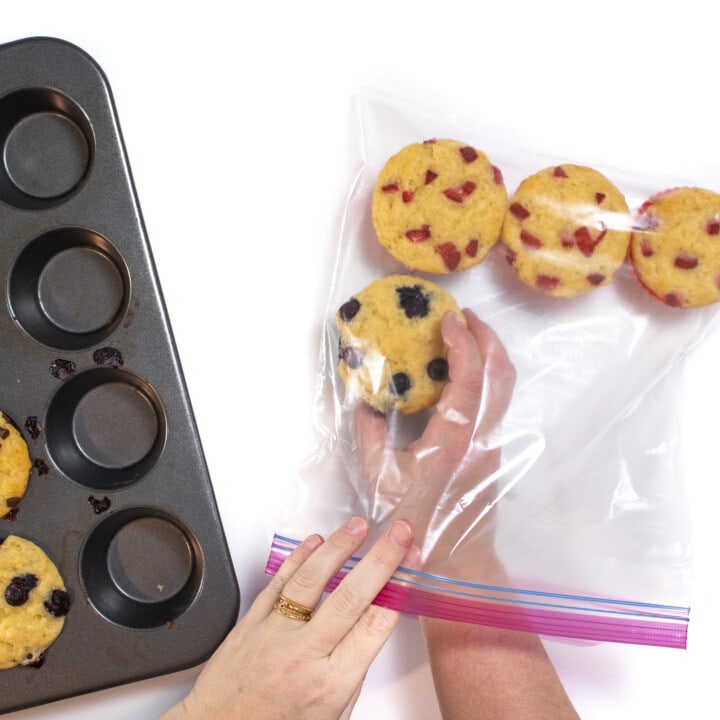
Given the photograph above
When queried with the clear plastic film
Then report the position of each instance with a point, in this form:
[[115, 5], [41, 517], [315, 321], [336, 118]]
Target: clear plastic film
[[547, 494]]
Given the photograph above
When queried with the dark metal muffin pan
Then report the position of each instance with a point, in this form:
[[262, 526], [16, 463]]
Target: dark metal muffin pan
[[119, 495]]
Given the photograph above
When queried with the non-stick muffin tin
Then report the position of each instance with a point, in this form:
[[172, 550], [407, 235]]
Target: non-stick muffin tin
[[119, 496]]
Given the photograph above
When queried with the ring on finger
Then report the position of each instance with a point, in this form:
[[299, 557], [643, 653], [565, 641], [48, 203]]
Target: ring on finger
[[290, 609]]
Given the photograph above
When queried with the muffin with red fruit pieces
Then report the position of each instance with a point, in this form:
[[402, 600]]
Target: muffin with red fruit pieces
[[567, 230], [391, 352], [438, 206], [675, 247]]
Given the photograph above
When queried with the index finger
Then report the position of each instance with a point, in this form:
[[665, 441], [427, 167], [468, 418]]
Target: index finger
[[481, 381], [351, 600]]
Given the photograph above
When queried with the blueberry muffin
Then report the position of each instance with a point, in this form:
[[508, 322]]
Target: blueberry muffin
[[567, 230], [391, 352], [33, 604], [438, 206], [675, 247], [15, 465]]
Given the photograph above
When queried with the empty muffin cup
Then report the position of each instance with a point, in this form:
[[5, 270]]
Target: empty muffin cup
[[140, 568], [105, 428], [47, 148], [69, 288]]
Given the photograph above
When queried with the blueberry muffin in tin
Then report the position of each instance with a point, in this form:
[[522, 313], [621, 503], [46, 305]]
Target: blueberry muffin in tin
[[33, 604], [675, 247], [15, 466], [438, 206], [391, 352]]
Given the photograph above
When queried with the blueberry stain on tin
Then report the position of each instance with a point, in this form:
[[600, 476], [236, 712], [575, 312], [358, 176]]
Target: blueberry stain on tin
[[413, 301], [32, 425], [61, 369], [399, 384], [437, 369], [349, 309], [41, 466], [18, 590], [99, 505], [109, 356]]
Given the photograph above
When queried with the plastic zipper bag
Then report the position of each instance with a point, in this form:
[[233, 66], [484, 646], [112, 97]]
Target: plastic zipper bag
[[565, 515]]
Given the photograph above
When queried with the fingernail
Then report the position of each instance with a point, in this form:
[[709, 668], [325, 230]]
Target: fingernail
[[400, 534], [451, 322], [455, 319], [356, 526], [313, 542]]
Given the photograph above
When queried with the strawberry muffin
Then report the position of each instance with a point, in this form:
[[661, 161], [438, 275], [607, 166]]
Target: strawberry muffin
[[567, 230], [675, 247], [438, 206]]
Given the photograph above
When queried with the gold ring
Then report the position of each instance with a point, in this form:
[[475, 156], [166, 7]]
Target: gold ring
[[291, 609]]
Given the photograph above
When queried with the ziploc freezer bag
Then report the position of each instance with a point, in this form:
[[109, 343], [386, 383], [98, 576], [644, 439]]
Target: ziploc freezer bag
[[552, 503]]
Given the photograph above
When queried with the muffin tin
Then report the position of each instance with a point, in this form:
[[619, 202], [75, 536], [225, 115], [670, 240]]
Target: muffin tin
[[119, 495]]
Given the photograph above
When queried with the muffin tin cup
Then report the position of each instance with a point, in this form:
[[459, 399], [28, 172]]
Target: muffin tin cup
[[141, 568], [105, 428], [69, 288], [119, 496], [47, 145]]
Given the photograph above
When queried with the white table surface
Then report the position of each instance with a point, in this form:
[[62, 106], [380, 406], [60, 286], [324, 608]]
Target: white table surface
[[239, 132]]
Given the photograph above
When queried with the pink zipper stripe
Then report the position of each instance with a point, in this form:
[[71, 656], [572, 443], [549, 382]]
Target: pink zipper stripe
[[579, 625], [543, 613]]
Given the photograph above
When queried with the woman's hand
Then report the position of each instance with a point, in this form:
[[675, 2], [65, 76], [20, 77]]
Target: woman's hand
[[445, 482], [272, 666]]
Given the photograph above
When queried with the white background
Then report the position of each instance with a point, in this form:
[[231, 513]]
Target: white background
[[239, 129]]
